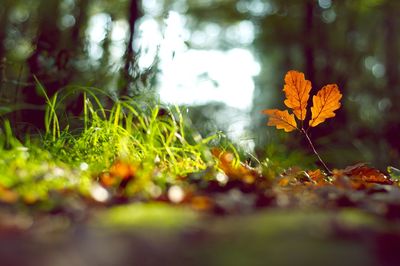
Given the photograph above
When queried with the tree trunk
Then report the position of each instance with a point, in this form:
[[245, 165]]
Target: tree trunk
[[391, 44], [129, 66], [3, 32], [81, 18], [309, 39], [41, 66], [75, 50]]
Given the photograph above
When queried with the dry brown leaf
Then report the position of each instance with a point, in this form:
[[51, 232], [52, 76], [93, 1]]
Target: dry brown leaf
[[107, 180], [318, 177], [367, 174], [121, 169], [120, 173], [8, 196], [201, 203], [235, 171]]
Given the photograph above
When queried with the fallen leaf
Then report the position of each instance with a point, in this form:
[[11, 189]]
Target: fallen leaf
[[120, 174], [324, 104], [317, 176], [107, 180], [8, 196], [366, 174], [281, 119], [201, 203], [297, 90], [235, 171], [121, 169], [359, 177], [284, 181]]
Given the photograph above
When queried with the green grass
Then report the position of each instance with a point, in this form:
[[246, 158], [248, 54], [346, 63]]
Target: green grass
[[31, 173], [157, 139], [131, 131]]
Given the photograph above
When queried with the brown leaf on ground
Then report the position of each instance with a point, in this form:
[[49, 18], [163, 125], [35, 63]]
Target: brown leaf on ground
[[121, 169], [238, 171], [318, 177], [201, 203], [107, 180], [7, 195], [367, 174], [360, 176]]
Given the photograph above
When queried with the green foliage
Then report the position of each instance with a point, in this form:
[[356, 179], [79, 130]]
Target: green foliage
[[131, 131], [32, 173], [143, 133]]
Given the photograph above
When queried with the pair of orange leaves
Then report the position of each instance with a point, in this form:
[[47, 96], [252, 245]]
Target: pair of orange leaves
[[297, 90]]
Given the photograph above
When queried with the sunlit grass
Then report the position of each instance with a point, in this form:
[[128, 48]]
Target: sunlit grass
[[155, 138], [30, 173], [130, 131]]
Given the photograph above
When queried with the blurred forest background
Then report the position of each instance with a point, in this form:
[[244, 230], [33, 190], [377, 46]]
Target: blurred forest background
[[230, 56]]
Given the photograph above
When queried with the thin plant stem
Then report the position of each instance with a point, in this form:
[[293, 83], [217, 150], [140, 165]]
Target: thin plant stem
[[315, 151]]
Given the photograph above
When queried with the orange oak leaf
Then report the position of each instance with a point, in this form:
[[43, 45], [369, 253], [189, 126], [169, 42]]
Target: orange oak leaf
[[281, 119], [297, 90], [324, 104]]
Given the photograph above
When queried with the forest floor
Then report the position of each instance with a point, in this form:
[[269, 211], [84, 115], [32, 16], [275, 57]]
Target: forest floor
[[159, 234], [350, 218]]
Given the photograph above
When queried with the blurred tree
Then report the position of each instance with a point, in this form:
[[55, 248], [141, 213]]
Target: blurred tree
[[43, 64], [4, 13], [4, 24], [81, 14], [130, 57], [308, 45], [391, 24]]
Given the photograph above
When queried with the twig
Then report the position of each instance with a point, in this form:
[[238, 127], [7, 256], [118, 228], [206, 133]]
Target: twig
[[315, 151]]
